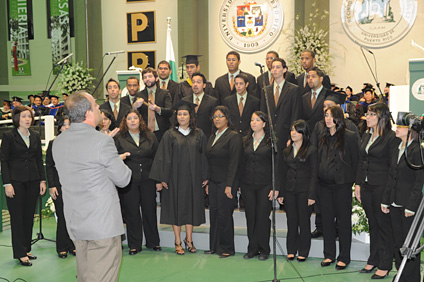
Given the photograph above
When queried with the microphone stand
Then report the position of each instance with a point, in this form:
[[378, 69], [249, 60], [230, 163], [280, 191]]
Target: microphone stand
[[381, 97], [274, 152], [101, 79]]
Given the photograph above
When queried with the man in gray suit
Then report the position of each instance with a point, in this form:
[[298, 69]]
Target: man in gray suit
[[89, 168]]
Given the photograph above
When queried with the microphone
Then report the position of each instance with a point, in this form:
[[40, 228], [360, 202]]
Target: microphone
[[115, 52], [366, 49], [64, 59], [259, 64]]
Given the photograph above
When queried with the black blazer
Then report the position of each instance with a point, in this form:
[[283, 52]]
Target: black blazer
[[204, 113], [300, 82], [52, 175], [141, 158], [162, 100], [123, 110], [315, 114], [256, 166], [345, 166], [320, 126], [296, 174], [128, 99], [186, 90], [242, 123], [404, 185], [223, 89], [259, 84], [18, 162], [285, 112], [224, 158], [375, 165]]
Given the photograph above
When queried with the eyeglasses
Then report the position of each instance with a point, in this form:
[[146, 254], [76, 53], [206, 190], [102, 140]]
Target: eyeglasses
[[371, 114], [218, 116]]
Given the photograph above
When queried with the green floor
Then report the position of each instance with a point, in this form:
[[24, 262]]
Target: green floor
[[167, 266]]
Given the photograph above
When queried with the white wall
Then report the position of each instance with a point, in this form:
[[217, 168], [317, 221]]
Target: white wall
[[218, 48], [114, 24], [350, 67]]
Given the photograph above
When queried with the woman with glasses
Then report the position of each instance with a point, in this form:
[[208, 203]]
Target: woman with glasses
[[376, 151], [223, 151]]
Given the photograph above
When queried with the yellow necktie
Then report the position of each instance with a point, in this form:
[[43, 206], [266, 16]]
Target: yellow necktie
[[151, 114], [115, 112], [314, 99], [197, 103], [241, 106], [232, 82], [277, 95], [163, 85]]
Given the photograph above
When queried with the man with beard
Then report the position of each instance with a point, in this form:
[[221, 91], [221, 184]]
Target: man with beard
[[154, 104]]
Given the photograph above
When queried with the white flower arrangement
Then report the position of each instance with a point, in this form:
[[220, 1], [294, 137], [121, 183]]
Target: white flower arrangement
[[75, 78], [359, 219], [311, 36], [49, 208]]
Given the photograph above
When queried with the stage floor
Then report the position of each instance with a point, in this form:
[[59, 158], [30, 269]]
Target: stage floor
[[167, 266]]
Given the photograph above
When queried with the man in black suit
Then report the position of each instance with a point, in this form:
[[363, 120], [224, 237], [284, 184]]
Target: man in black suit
[[164, 71], [117, 108], [242, 105], [284, 102], [313, 100], [206, 104], [308, 60], [133, 86], [267, 76], [192, 66], [154, 104], [224, 85]]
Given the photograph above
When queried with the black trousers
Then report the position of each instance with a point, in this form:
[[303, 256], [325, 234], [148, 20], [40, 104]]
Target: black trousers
[[316, 208], [381, 238], [257, 209], [63, 242], [221, 237], [336, 204], [298, 223], [140, 194], [21, 208], [401, 225]]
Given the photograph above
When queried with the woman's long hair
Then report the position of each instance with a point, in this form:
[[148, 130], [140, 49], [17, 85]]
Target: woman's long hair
[[338, 119], [192, 122], [267, 137], [226, 112], [301, 127], [144, 130], [383, 113]]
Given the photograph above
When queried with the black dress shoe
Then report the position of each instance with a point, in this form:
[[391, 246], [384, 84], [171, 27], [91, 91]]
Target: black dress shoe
[[364, 270], [132, 252], [326, 263], [340, 267], [376, 276], [209, 252], [263, 257], [74, 252], [63, 255], [301, 259], [25, 262], [316, 234], [31, 256], [157, 248], [249, 256]]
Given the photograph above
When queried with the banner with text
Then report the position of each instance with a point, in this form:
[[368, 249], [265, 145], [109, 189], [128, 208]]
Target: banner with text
[[60, 29]]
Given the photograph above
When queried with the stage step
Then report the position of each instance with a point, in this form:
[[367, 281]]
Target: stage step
[[359, 250]]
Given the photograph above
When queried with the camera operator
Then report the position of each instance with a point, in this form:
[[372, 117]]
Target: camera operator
[[403, 194]]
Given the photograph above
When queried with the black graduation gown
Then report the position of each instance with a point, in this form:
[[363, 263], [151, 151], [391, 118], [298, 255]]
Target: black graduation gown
[[180, 161]]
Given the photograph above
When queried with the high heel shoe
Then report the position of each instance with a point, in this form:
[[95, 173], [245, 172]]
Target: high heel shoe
[[179, 249], [25, 262], [190, 246], [364, 270], [376, 276]]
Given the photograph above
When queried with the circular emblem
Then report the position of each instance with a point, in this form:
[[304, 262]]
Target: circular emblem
[[378, 23], [418, 89], [250, 26]]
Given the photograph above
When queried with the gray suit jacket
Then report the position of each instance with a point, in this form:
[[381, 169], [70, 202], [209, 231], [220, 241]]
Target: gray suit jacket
[[89, 167]]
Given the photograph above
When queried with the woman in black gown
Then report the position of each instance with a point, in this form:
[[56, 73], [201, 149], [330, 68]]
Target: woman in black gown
[[64, 243], [180, 166], [224, 152]]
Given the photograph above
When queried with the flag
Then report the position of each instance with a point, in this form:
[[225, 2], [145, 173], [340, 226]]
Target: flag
[[170, 57]]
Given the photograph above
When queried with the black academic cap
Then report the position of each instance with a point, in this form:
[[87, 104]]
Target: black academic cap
[[30, 95], [368, 89], [367, 85], [15, 98], [192, 59], [37, 96], [336, 97], [54, 96], [388, 84], [184, 105], [65, 94]]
